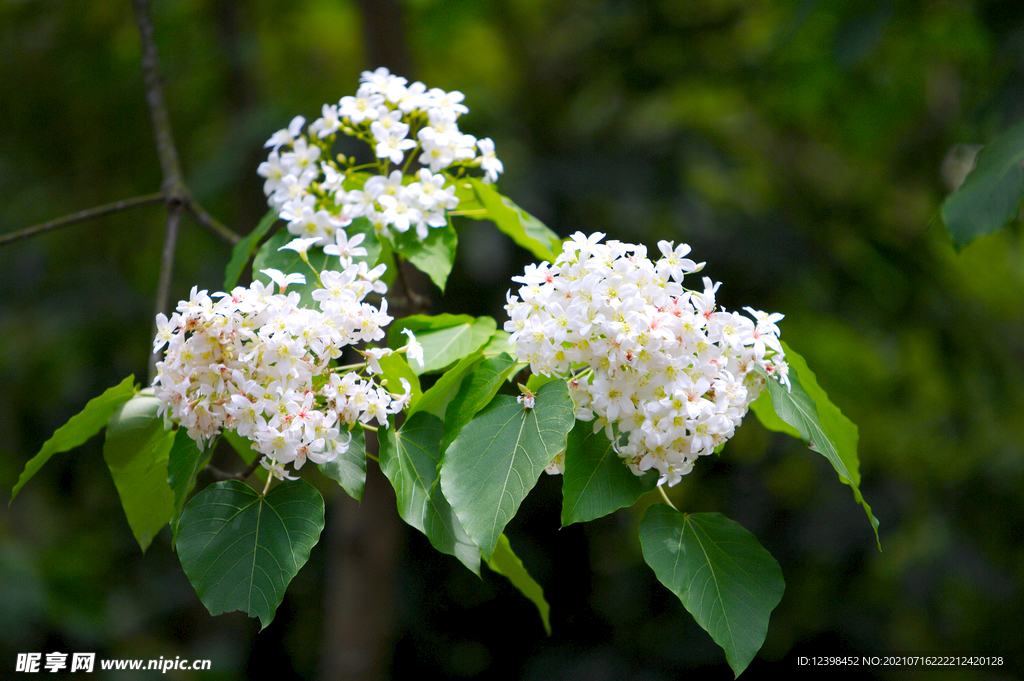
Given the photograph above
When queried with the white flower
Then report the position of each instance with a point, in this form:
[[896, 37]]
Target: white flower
[[330, 123], [488, 161], [283, 280], [664, 371], [306, 185], [287, 135], [414, 350], [261, 365], [300, 246], [346, 249]]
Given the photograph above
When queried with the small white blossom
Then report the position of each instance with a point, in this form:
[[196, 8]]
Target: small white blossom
[[663, 370], [306, 186], [258, 363], [414, 350]]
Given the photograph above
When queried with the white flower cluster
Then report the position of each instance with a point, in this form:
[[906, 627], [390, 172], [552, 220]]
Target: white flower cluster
[[255, 362], [317, 194], [666, 372]]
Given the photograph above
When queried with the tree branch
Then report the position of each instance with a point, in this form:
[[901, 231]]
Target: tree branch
[[175, 192], [173, 186], [414, 302], [163, 289], [224, 475], [212, 224], [82, 216]]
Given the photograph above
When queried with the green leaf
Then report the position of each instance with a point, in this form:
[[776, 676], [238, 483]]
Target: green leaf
[[183, 464], [240, 550], [597, 481], [496, 460], [136, 450], [243, 250], [394, 367], [535, 381], [820, 423], [765, 412], [436, 400], [723, 576], [526, 230], [445, 338], [475, 392], [349, 469], [433, 256], [991, 195], [78, 429], [409, 458], [505, 562], [289, 261], [498, 344]]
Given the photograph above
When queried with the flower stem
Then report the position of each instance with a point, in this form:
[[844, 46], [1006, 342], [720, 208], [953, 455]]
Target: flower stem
[[665, 497]]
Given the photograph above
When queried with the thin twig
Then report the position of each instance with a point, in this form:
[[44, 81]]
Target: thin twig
[[415, 301], [211, 223], [82, 216], [242, 475], [175, 192], [163, 288], [173, 186]]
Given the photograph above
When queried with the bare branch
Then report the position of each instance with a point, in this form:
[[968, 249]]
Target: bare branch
[[163, 289], [212, 224], [224, 475], [82, 216], [173, 186], [174, 192], [414, 302]]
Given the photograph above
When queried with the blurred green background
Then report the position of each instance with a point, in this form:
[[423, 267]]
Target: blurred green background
[[802, 148]]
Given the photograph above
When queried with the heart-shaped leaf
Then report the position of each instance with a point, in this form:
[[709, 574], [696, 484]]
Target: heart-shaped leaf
[[720, 572], [240, 550]]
